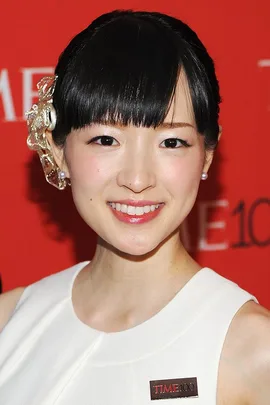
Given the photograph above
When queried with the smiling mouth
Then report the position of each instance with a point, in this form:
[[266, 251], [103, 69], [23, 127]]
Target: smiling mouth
[[134, 210]]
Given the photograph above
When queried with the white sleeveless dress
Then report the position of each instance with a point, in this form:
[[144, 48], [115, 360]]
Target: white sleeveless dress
[[49, 357]]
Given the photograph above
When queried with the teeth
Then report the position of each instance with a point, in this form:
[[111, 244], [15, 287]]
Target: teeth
[[131, 210], [139, 211], [147, 209]]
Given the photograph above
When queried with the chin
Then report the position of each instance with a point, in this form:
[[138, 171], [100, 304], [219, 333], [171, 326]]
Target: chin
[[139, 251], [135, 248]]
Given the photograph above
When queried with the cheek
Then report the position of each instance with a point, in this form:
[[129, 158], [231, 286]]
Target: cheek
[[87, 171], [89, 176], [84, 171], [183, 173]]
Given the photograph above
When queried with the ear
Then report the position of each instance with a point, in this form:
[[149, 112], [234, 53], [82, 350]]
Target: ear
[[220, 132], [209, 154], [58, 154]]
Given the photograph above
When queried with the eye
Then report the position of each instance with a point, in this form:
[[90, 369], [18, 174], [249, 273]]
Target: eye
[[174, 143], [103, 140]]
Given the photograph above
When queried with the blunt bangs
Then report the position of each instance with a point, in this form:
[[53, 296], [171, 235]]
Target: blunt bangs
[[124, 68], [125, 74]]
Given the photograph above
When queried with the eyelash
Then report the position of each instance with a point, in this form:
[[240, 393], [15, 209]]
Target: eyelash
[[184, 144]]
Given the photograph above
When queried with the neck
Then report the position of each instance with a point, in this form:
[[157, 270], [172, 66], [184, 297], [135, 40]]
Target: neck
[[129, 289], [166, 260]]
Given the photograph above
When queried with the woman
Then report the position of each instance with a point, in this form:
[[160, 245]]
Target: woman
[[130, 121]]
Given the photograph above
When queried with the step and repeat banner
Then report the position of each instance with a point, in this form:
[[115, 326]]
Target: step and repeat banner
[[229, 228]]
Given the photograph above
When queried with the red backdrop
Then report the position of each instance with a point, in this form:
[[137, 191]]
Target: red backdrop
[[229, 229]]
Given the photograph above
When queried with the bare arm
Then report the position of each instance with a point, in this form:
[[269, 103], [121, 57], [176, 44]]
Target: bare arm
[[258, 373], [245, 361], [8, 303]]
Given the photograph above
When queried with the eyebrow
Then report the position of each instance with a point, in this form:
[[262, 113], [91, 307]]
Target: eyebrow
[[164, 125], [172, 125]]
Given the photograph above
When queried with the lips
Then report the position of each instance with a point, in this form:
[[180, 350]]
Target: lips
[[131, 211]]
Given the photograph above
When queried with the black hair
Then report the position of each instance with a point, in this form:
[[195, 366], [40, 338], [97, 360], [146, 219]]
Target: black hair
[[124, 67]]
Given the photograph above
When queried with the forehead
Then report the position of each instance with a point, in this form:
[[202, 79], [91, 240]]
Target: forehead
[[181, 106]]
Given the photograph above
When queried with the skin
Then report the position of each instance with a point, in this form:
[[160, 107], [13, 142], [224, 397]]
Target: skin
[[135, 265]]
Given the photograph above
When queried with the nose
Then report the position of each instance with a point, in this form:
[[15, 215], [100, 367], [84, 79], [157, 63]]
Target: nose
[[137, 173]]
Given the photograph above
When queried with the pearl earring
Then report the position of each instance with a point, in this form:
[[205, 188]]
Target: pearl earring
[[204, 176], [61, 175]]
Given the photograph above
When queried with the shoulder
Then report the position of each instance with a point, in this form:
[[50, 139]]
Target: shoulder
[[42, 294], [8, 302], [245, 360], [255, 323]]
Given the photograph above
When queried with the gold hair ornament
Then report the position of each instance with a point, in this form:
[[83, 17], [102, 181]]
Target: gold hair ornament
[[41, 118]]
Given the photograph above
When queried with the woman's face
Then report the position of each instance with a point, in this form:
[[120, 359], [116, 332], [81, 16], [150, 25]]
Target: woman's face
[[133, 185]]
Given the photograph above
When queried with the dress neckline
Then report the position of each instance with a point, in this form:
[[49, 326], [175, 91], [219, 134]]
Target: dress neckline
[[155, 332]]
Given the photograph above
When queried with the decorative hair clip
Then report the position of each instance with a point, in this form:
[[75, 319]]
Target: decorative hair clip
[[42, 118]]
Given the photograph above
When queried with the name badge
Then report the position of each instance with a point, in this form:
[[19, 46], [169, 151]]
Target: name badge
[[174, 388]]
